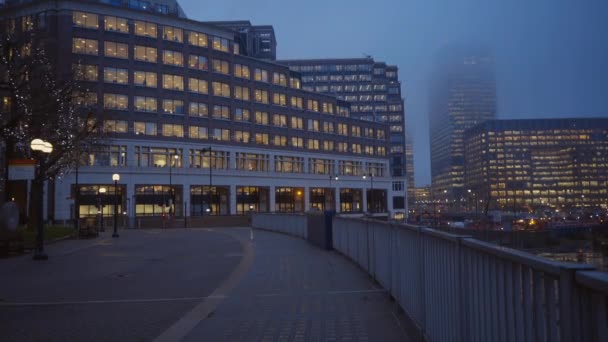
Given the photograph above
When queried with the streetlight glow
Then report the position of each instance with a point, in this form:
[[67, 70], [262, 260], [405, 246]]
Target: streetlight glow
[[115, 177]]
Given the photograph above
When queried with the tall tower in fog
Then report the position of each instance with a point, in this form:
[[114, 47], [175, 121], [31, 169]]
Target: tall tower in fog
[[462, 94]]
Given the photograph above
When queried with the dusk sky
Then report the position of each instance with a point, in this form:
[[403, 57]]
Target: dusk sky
[[551, 55]]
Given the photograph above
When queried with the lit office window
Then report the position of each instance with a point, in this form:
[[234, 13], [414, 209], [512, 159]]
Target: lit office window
[[241, 93], [279, 99], [220, 134], [87, 20], [296, 102], [115, 126], [262, 138], [297, 123], [173, 58], [279, 120], [115, 75], [279, 78], [279, 140], [328, 127], [297, 142], [312, 105], [261, 96], [220, 66], [144, 128], [173, 130], [145, 29], [115, 24], [260, 75], [85, 72], [220, 89], [198, 109], [198, 86], [197, 132], [313, 125], [115, 101], [221, 112], [173, 106], [241, 71], [145, 79], [85, 46], [173, 82], [241, 114], [313, 144], [173, 34], [261, 118], [145, 104], [221, 44], [242, 136], [328, 145], [198, 62], [145, 53], [252, 162], [116, 50], [197, 39]]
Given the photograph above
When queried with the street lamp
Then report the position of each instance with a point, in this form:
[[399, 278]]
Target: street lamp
[[115, 178], [40, 146], [172, 194], [331, 197], [101, 192], [371, 191]]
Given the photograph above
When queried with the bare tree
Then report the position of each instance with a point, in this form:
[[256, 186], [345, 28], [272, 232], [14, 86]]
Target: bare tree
[[44, 104]]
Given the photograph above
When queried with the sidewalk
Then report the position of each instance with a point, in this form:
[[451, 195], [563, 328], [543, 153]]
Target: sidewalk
[[296, 292]]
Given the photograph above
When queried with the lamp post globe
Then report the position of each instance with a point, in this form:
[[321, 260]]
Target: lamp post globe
[[40, 146], [115, 178]]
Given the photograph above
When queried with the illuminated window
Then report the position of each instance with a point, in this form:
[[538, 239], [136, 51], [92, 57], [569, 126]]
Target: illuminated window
[[115, 24], [198, 62], [173, 58], [145, 29], [295, 83], [115, 126], [279, 140], [198, 86], [173, 107], [279, 120], [196, 132], [279, 99], [173, 34], [114, 75], [115, 101], [279, 78], [220, 134], [262, 138], [145, 79], [173, 82], [85, 72], [356, 148], [145, 53], [85, 46], [313, 144], [297, 123], [313, 125], [220, 66], [87, 20], [173, 130], [144, 128], [328, 108], [252, 162], [116, 50], [241, 71], [198, 109], [261, 118], [297, 142], [260, 75], [241, 114], [197, 39], [220, 89], [221, 112], [342, 129], [241, 93], [242, 136], [288, 164], [328, 127], [145, 104], [261, 96], [328, 145], [296, 102], [313, 105], [220, 44], [356, 131]]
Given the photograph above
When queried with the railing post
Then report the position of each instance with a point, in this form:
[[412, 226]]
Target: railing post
[[566, 316], [422, 277]]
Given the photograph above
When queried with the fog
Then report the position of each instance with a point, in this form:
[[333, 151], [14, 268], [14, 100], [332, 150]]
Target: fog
[[551, 55]]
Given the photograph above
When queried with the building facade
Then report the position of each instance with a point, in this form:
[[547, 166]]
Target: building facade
[[462, 95], [521, 165], [374, 91], [195, 128], [256, 41]]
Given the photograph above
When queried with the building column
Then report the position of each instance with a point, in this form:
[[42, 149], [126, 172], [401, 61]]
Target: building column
[[364, 199], [306, 199], [130, 199], [232, 199], [272, 198], [337, 198], [186, 199]]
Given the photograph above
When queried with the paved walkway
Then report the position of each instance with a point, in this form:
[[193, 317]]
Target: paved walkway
[[192, 285]]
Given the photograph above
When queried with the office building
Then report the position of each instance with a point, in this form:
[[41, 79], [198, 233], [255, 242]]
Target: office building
[[522, 165], [195, 128], [462, 95], [256, 41], [374, 92]]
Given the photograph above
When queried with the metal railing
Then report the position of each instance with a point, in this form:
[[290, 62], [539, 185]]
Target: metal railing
[[291, 224], [456, 288]]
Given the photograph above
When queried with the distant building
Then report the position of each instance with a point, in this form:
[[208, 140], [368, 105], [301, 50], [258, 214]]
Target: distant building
[[526, 164], [422, 199], [193, 126], [374, 91], [462, 95], [256, 41]]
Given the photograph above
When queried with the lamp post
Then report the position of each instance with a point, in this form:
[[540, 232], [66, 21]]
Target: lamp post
[[205, 150], [172, 193], [40, 147], [101, 193], [331, 197], [371, 191], [115, 178]]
